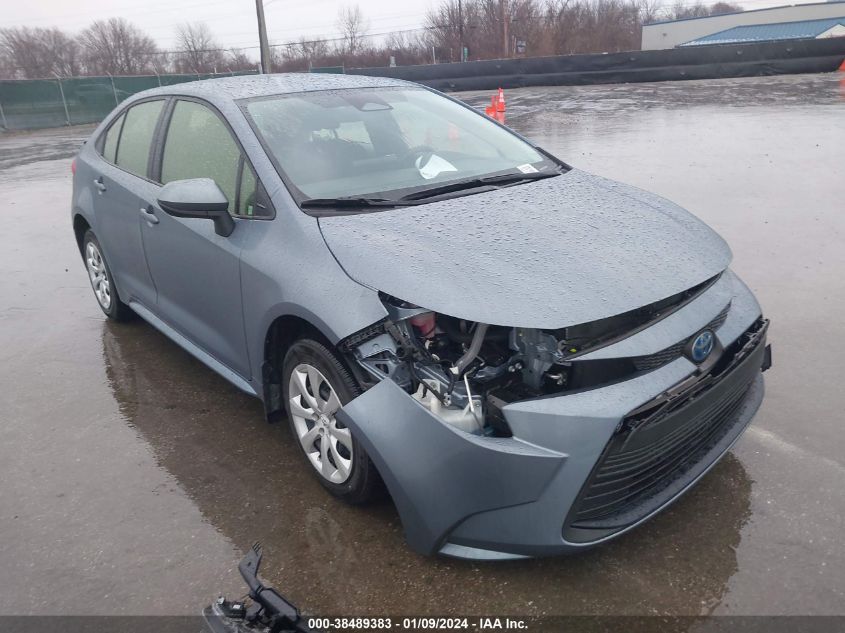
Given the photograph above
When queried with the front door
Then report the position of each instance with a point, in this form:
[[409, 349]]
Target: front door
[[197, 272]]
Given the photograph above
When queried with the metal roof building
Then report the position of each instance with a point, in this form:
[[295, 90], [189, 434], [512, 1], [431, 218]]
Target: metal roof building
[[806, 29], [673, 33]]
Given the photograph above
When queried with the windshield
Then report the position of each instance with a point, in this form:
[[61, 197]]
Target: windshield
[[383, 142]]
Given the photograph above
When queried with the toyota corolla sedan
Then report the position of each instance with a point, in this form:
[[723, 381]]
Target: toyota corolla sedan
[[532, 359]]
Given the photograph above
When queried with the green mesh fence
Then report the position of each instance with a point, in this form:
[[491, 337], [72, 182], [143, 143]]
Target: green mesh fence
[[39, 103]]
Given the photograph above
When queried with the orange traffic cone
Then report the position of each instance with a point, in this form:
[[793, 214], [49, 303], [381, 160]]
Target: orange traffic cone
[[491, 109], [500, 106], [842, 66]]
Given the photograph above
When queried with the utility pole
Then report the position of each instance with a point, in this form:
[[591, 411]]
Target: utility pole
[[262, 37], [505, 40], [461, 29]]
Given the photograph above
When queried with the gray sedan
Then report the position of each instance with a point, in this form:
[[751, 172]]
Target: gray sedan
[[529, 358]]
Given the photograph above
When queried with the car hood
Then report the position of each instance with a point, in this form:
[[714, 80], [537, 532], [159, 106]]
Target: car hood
[[547, 254]]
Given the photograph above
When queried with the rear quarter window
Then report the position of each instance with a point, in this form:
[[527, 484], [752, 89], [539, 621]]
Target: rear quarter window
[[112, 136], [133, 149]]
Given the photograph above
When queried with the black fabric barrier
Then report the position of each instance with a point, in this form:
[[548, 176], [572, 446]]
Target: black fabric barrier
[[700, 62]]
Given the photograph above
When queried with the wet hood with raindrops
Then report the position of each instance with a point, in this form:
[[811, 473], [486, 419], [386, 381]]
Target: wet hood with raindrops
[[547, 254]]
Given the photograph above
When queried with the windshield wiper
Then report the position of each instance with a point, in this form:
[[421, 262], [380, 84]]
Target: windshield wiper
[[519, 177], [475, 183], [490, 182], [349, 203]]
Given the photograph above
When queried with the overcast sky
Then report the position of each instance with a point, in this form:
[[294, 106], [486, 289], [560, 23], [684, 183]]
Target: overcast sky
[[233, 21]]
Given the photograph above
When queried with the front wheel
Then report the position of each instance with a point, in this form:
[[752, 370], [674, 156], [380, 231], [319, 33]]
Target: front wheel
[[316, 385]]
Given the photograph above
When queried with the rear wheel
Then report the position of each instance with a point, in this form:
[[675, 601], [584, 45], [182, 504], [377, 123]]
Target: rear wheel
[[316, 385], [101, 280]]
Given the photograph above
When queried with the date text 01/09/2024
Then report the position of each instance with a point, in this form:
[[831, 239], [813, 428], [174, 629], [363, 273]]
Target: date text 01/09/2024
[[429, 623]]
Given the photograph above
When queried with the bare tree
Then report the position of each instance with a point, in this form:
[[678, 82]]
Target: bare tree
[[161, 62], [447, 22], [302, 54], [650, 10], [8, 70], [407, 48], [39, 52], [353, 26], [724, 7], [444, 24], [478, 24], [197, 49], [117, 47], [680, 11], [237, 61]]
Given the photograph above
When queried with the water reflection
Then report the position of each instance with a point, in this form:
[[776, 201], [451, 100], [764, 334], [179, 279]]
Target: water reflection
[[250, 483]]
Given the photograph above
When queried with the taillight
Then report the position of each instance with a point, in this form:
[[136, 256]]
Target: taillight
[[73, 167]]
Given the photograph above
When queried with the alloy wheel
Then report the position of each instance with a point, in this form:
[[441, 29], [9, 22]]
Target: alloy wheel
[[326, 442], [98, 275]]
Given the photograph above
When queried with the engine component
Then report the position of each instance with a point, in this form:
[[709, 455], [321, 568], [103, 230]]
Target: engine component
[[467, 419], [464, 372], [539, 350], [474, 347], [425, 322]]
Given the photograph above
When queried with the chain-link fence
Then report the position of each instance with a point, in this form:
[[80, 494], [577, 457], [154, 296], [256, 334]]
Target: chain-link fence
[[39, 103]]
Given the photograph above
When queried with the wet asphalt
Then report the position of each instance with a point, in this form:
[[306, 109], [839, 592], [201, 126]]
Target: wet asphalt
[[133, 478]]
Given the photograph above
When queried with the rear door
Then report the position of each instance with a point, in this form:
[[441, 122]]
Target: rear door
[[121, 179], [197, 272]]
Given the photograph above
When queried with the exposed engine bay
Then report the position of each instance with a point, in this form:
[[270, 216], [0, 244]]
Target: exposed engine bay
[[465, 372]]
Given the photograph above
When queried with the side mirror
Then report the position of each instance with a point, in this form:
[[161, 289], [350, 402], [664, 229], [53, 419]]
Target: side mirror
[[198, 198]]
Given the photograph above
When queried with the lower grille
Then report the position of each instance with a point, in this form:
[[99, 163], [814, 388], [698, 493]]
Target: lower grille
[[650, 451]]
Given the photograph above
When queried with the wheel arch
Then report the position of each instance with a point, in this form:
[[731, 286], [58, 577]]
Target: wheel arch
[[80, 226], [282, 332]]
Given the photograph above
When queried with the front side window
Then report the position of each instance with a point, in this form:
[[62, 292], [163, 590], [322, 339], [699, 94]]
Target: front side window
[[199, 145], [133, 149], [383, 142]]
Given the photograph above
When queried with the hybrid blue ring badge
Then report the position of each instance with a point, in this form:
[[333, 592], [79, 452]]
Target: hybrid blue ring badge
[[702, 345]]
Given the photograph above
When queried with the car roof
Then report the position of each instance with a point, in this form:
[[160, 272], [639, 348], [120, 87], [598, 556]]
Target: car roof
[[247, 86]]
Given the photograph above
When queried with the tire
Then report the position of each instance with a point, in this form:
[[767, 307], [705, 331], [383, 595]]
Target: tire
[[102, 281], [360, 482]]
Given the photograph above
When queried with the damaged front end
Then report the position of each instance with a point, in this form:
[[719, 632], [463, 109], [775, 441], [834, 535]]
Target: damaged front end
[[488, 436], [465, 372]]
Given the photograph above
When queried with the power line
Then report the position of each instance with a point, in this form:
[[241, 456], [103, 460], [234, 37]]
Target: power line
[[278, 45], [418, 19], [159, 33]]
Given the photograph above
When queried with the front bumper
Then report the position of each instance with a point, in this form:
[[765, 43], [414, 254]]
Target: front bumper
[[545, 490]]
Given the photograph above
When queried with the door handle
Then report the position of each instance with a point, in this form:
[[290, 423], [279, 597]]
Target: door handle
[[99, 184], [149, 216]]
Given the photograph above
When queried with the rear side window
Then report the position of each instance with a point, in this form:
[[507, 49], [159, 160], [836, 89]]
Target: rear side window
[[112, 136], [199, 145], [133, 150]]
